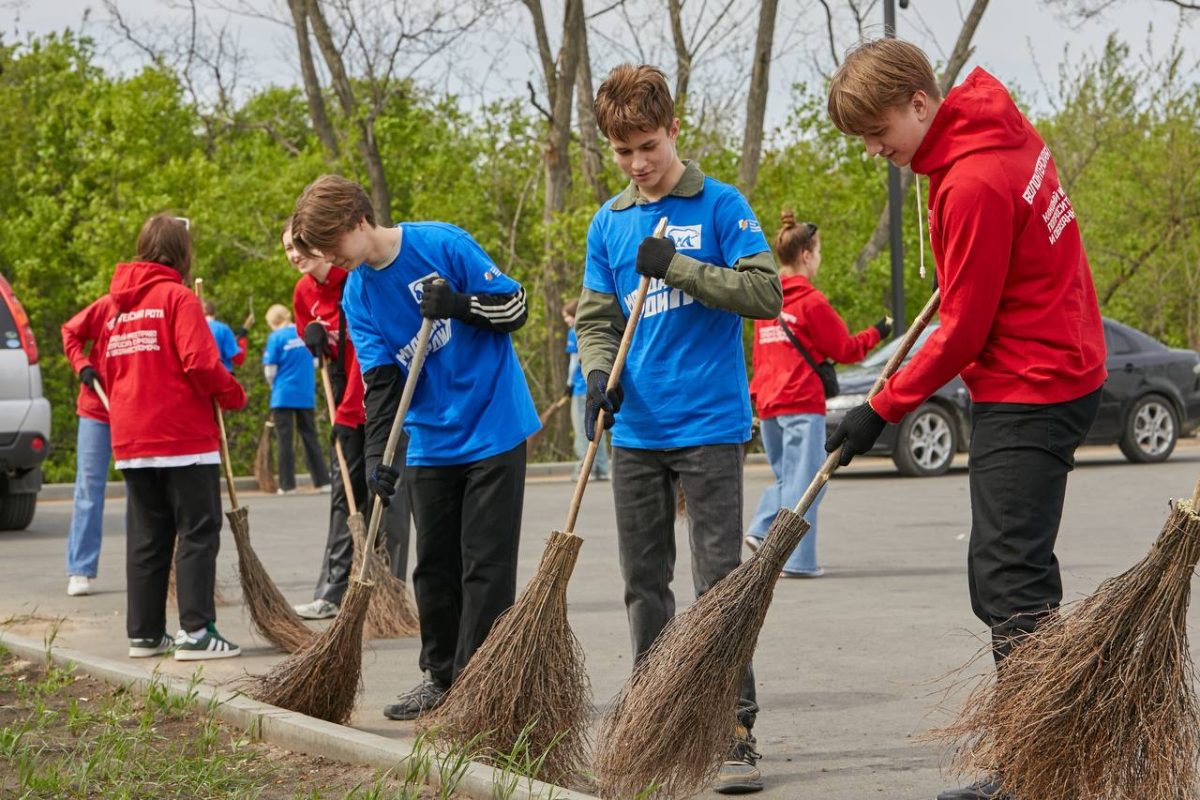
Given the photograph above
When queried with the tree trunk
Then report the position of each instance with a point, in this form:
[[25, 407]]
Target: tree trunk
[[683, 56], [756, 100], [591, 152], [958, 58], [368, 149], [312, 84]]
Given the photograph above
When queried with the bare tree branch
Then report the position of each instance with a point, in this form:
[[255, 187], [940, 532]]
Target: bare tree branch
[[833, 51]]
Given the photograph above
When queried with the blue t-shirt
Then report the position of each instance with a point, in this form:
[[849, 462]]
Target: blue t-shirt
[[471, 401], [685, 377], [227, 345], [575, 378], [293, 385]]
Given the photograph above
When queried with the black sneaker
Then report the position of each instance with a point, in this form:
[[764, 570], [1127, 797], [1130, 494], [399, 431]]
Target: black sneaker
[[422, 698], [986, 789], [145, 648], [739, 773]]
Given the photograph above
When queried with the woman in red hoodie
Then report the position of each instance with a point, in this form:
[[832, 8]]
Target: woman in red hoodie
[[786, 389], [163, 373]]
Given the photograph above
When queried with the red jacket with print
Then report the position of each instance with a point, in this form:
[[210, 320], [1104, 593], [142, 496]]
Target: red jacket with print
[[161, 367], [89, 325], [1019, 316], [320, 302], [784, 383]]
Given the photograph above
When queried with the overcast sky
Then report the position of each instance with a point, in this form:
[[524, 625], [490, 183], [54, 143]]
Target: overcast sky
[[1018, 40]]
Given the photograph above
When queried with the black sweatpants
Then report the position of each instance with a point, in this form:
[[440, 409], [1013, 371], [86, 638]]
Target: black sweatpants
[[287, 419], [339, 547], [468, 519], [171, 512], [1020, 457]]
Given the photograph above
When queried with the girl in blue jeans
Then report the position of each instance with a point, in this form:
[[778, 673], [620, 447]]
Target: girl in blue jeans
[[787, 391]]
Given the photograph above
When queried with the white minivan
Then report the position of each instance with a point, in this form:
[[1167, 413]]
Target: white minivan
[[24, 415]]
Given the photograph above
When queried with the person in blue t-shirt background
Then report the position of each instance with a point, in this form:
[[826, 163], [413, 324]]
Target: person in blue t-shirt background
[[231, 344], [289, 370], [577, 389], [470, 416], [682, 409]]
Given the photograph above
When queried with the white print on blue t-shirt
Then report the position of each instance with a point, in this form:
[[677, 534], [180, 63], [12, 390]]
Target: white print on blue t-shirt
[[685, 376], [471, 400]]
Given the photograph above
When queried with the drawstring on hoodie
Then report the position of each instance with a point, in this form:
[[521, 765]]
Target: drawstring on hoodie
[[920, 225]]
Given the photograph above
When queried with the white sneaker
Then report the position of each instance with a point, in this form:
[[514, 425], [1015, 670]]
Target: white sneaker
[[326, 488], [78, 585], [282, 492], [317, 609]]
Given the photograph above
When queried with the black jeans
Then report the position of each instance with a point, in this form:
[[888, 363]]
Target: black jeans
[[339, 547], [468, 519], [171, 511], [1020, 457], [644, 484], [301, 418]]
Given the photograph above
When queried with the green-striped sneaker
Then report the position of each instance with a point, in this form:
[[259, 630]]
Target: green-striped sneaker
[[145, 648], [210, 645]]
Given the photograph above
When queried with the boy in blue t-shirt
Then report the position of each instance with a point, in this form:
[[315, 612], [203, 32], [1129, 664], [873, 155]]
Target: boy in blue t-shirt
[[682, 410], [470, 416], [288, 367]]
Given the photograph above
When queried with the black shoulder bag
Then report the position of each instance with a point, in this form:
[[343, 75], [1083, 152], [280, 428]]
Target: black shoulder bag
[[824, 370]]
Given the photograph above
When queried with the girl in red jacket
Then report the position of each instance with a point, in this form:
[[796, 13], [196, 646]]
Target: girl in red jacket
[[163, 372], [787, 391]]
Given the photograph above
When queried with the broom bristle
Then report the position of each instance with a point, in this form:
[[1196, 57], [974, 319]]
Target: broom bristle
[[527, 681], [273, 616], [393, 612], [674, 721], [322, 678], [1099, 701]]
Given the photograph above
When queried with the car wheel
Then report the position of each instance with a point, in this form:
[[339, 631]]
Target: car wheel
[[926, 442], [16, 511], [1151, 430]]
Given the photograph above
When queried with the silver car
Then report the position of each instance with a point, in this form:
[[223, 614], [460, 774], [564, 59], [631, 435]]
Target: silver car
[[24, 415]]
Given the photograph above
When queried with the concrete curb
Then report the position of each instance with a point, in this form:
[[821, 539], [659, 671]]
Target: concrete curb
[[286, 729]]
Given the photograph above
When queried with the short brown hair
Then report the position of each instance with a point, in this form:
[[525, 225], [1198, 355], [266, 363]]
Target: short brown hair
[[633, 99], [329, 207], [877, 75], [794, 238], [165, 240]]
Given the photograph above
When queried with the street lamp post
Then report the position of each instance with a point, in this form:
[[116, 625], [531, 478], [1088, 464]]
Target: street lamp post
[[895, 204]]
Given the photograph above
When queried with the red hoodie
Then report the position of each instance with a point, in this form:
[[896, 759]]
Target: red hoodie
[[89, 325], [1019, 315], [783, 382], [161, 367], [320, 302]]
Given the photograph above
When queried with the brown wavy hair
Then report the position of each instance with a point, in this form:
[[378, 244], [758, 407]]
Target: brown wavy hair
[[794, 238], [633, 99]]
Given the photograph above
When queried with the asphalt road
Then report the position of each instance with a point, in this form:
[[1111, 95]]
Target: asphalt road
[[852, 668]]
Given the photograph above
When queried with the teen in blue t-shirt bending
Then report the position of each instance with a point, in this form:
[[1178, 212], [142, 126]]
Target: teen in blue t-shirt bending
[[471, 412]]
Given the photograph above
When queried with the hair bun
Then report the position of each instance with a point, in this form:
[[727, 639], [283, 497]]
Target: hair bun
[[787, 218]]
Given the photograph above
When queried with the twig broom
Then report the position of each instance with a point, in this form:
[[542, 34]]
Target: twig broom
[[674, 722], [1099, 701], [392, 612], [322, 679], [529, 670], [264, 476]]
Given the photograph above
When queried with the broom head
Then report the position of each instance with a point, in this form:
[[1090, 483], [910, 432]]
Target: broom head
[[274, 618], [675, 720], [263, 475], [393, 612]]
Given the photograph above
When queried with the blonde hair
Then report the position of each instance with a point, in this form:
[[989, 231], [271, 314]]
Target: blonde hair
[[633, 99], [794, 238], [877, 75], [329, 207], [278, 315]]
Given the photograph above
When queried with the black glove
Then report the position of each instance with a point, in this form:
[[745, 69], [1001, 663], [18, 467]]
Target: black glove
[[89, 377], [241, 333], [884, 326], [316, 339], [598, 398], [859, 430], [654, 256], [439, 301], [569, 389], [382, 482]]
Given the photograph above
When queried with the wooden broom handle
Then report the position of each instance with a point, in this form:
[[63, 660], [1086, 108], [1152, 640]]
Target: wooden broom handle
[[393, 441], [351, 503], [1196, 499], [99, 390], [225, 462], [614, 377], [910, 338]]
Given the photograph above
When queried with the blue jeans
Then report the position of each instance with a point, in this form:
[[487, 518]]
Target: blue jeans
[[600, 465], [93, 450], [795, 445]]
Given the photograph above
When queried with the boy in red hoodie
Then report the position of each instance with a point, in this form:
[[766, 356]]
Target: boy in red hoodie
[[1019, 320], [163, 373]]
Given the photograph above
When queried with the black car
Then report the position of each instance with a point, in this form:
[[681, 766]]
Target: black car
[[1151, 398]]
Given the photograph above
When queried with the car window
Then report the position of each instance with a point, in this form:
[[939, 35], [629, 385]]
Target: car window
[[9, 338], [1117, 342], [880, 356]]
